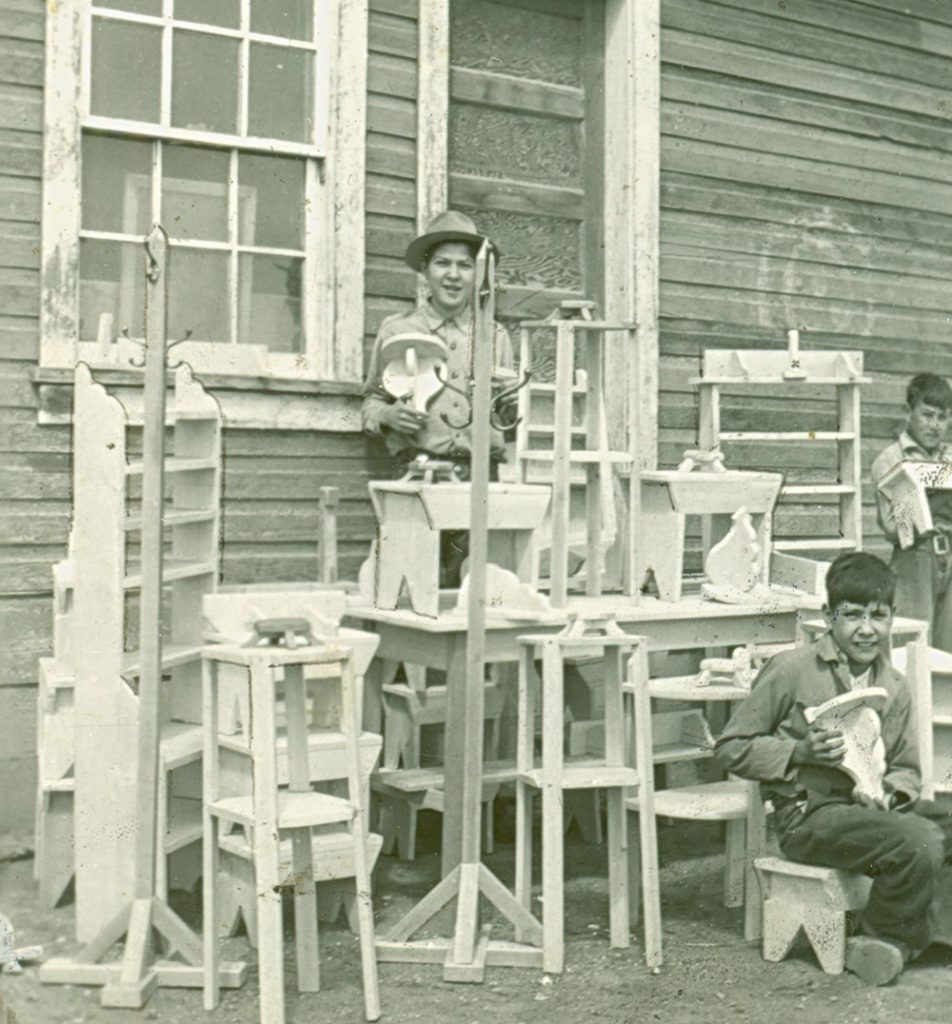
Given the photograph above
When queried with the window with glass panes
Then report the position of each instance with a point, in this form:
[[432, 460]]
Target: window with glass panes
[[209, 117]]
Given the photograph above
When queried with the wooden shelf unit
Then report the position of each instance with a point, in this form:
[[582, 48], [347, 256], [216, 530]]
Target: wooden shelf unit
[[107, 516], [842, 371]]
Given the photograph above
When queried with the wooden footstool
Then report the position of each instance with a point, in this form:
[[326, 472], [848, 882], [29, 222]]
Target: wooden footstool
[[812, 898]]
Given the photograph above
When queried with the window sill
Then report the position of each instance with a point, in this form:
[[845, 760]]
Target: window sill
[[250, 402]]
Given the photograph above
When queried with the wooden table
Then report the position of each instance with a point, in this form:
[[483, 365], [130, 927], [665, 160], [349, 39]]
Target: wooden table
[[440, 643]]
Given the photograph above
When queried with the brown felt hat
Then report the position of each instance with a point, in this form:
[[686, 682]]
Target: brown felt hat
[[450, 226]]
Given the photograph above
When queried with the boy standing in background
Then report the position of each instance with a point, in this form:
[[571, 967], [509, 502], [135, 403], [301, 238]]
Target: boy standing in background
[[923, 570]]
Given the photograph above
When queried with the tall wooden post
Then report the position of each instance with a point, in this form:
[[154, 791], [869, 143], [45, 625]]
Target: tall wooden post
[[464, 956], [130, 981]]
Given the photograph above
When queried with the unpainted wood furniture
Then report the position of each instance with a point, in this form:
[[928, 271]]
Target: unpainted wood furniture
[[939, 737], [553, 775], [106, 527], [801, 896], [668, 496], [743, 371], [178, 805], [407, 709], [230, 615], [117, 782], [683, 735], [563, 439], [412, 513], [53, 826], [441, 644], [271, 812]]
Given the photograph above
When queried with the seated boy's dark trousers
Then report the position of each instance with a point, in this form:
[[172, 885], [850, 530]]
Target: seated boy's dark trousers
[[903, 852]]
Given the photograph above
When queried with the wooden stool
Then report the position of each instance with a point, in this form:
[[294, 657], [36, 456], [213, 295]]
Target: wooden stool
[[412, 513], [407, 708], [815, 899], [269, 811], [737, 803], [555, 776]]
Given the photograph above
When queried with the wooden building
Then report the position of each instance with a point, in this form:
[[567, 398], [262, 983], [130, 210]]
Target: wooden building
[[722, 170]]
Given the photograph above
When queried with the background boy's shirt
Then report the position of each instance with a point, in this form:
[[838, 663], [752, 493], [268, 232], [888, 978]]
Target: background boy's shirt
[[435, 436], [907, 449], [759, 739]]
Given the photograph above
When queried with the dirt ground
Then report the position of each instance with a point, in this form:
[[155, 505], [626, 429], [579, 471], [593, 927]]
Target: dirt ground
[[710, 973]]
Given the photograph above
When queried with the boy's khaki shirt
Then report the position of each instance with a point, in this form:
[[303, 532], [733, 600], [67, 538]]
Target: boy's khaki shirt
[[759, 739]]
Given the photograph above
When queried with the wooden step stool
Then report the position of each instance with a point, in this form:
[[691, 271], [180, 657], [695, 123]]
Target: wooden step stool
[[407, 708], [812, 898], [332, 854], [270, 811], [404, 792], [556, 775]]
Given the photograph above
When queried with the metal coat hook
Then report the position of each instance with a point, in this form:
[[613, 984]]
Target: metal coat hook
[[153, 270], [140, 363], [134, 360], [502, 399], [172, 344], [437, 369], [495, 408]]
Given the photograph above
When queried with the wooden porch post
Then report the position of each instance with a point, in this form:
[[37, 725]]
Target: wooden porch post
[[632, 210]]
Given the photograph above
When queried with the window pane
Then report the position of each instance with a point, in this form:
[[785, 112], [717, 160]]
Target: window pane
[[195, 193], [225, 13], [269, 311], [198, 295], [126, 67], [111, 280], [116, 175], [293, 19], [135, 6], [281, 97], [271, 201], [204, 82]]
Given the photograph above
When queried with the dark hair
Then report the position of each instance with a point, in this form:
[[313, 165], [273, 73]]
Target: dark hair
[[860, 578], [931, 389], [428, 255]]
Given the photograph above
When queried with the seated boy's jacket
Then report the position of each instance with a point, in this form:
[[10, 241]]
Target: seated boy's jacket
[[759, 740]]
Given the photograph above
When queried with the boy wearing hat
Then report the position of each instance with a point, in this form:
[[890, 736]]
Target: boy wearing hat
[[445, 254], [923, 570]]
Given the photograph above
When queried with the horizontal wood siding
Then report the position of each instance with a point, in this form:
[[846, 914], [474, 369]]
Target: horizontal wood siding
[[516, 145], [806, 182], [34, 466], [391, 159]]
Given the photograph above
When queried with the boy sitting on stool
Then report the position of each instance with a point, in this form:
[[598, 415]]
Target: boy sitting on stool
[[923, 570], [818, 818]]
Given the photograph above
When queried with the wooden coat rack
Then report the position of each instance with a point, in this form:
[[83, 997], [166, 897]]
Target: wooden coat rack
[[466, 954], [131, 980]]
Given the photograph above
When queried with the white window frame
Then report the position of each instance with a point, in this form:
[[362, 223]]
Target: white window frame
[[333, 287]]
